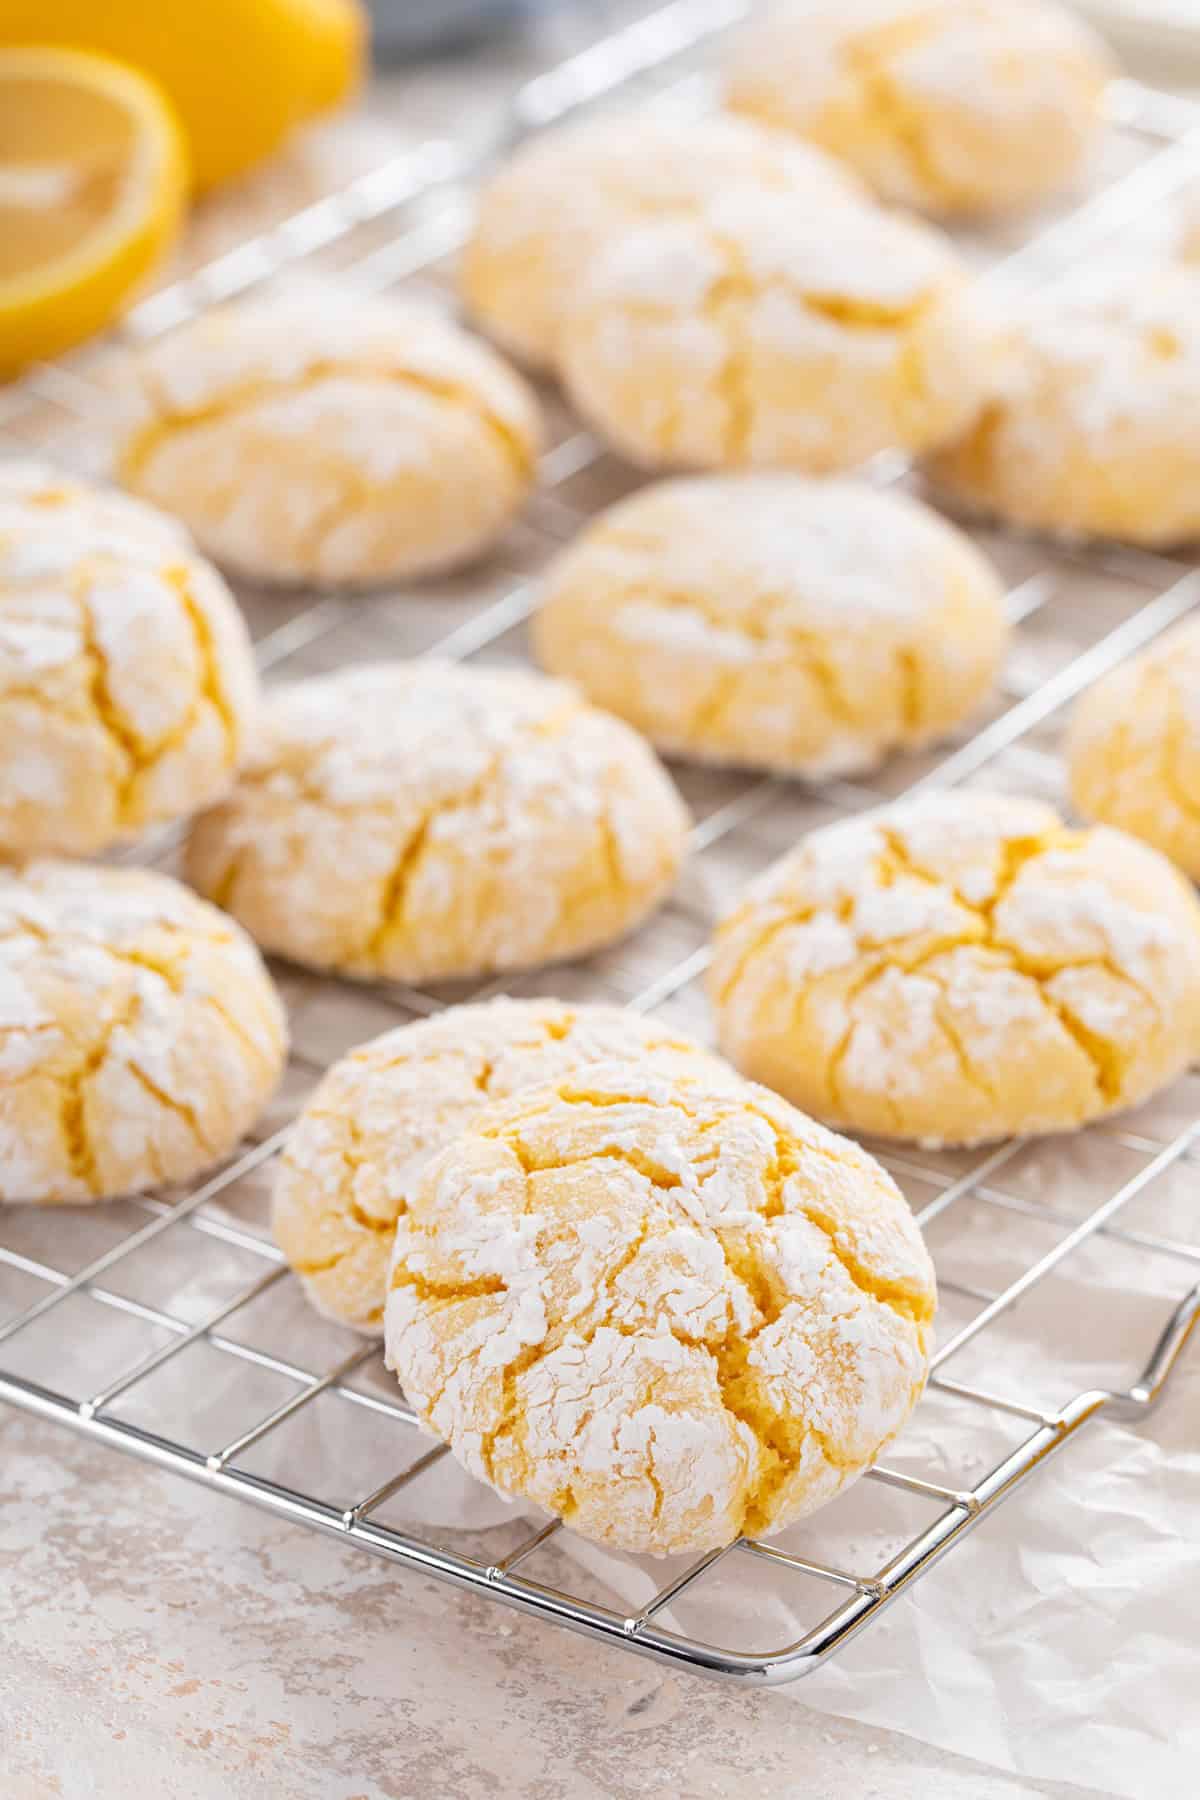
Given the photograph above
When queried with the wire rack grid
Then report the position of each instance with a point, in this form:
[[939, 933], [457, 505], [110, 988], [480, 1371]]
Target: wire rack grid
[[124, 1322]]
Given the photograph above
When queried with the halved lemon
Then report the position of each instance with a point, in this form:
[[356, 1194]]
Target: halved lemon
[[92, 184]]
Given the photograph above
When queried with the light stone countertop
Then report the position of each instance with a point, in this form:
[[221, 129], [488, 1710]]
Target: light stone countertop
[[161, 1641]]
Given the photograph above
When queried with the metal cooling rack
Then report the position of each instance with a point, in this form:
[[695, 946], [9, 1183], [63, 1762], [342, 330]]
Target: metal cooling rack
[[121, 1321]]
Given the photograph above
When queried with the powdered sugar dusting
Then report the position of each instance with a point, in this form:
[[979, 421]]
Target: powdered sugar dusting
[[1126, 347], [962, 967], [936, 103], [66, 505], [762, 334], [141, 1034], [1134, 747], [282, 343], [126, 677], [360, 1145], [440, 821], [327, 437], [774, 620], [668, 1305], [852, 254], [563, 197], [1092, 426]]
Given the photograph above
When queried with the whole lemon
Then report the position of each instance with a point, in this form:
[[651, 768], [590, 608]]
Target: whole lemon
[[241, 73]]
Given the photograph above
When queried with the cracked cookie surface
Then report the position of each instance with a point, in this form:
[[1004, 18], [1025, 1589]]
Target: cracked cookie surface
[[962, 968], [759, 333], [775, 622], [140, 1035], [948, 106], [326, 438], [1092, 426], [1133, 749], [564, 194], [419, 821], [127, 683], [385, 1108], [667, 1308]]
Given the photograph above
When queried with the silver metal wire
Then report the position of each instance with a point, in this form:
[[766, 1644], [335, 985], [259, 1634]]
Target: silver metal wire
[[59, 409]]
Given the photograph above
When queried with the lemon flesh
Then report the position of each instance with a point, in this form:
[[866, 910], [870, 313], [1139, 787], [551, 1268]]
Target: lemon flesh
[[92, 183]]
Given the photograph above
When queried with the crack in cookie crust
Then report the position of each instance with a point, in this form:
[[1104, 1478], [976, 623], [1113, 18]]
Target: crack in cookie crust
[[570, 191], [1133, 750], [384, 1109], [126, 677], [752, 335], [770, 621], [1089, 430], [142, 1036], [946, 108], [332, 440], [962, 969], [672, 1310], [440, 823]]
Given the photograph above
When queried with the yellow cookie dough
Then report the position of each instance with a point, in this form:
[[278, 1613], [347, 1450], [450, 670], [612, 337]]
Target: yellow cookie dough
[[328, 439], [961, 968], [127, 684], [565, 194], [775, 622], [1134, 747], [950, 106], [419, 821], [140, 1035], [381, 1112], [668, 1309], [759, 332], [1094, 429]]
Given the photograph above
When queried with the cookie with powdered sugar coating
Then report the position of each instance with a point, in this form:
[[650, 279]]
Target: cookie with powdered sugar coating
[[127, 682], [142, 1035], [387, 1107], [755, 333], [421, 821], [1133, 748], [949, 106], [960, 968], [772, 622], [1093, 429], [565, 194], [669, 1309], [327, 438]]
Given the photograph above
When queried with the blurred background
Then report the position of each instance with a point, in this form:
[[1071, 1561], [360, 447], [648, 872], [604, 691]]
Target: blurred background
[[450, 68], [200, 123]]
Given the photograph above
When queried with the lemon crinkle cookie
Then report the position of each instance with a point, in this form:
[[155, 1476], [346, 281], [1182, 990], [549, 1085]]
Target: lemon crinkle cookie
[[775, 622], [385, 1108], [1134, 747], [668, 1309], [949, 106], [562, 196], [330, 439], [961, 968], [762, 333], [127, 684], [141, 1033], [72, 504], [419, 821], [1093, 426]]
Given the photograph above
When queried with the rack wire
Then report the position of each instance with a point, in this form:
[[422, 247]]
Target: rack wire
[[118, 1321]]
